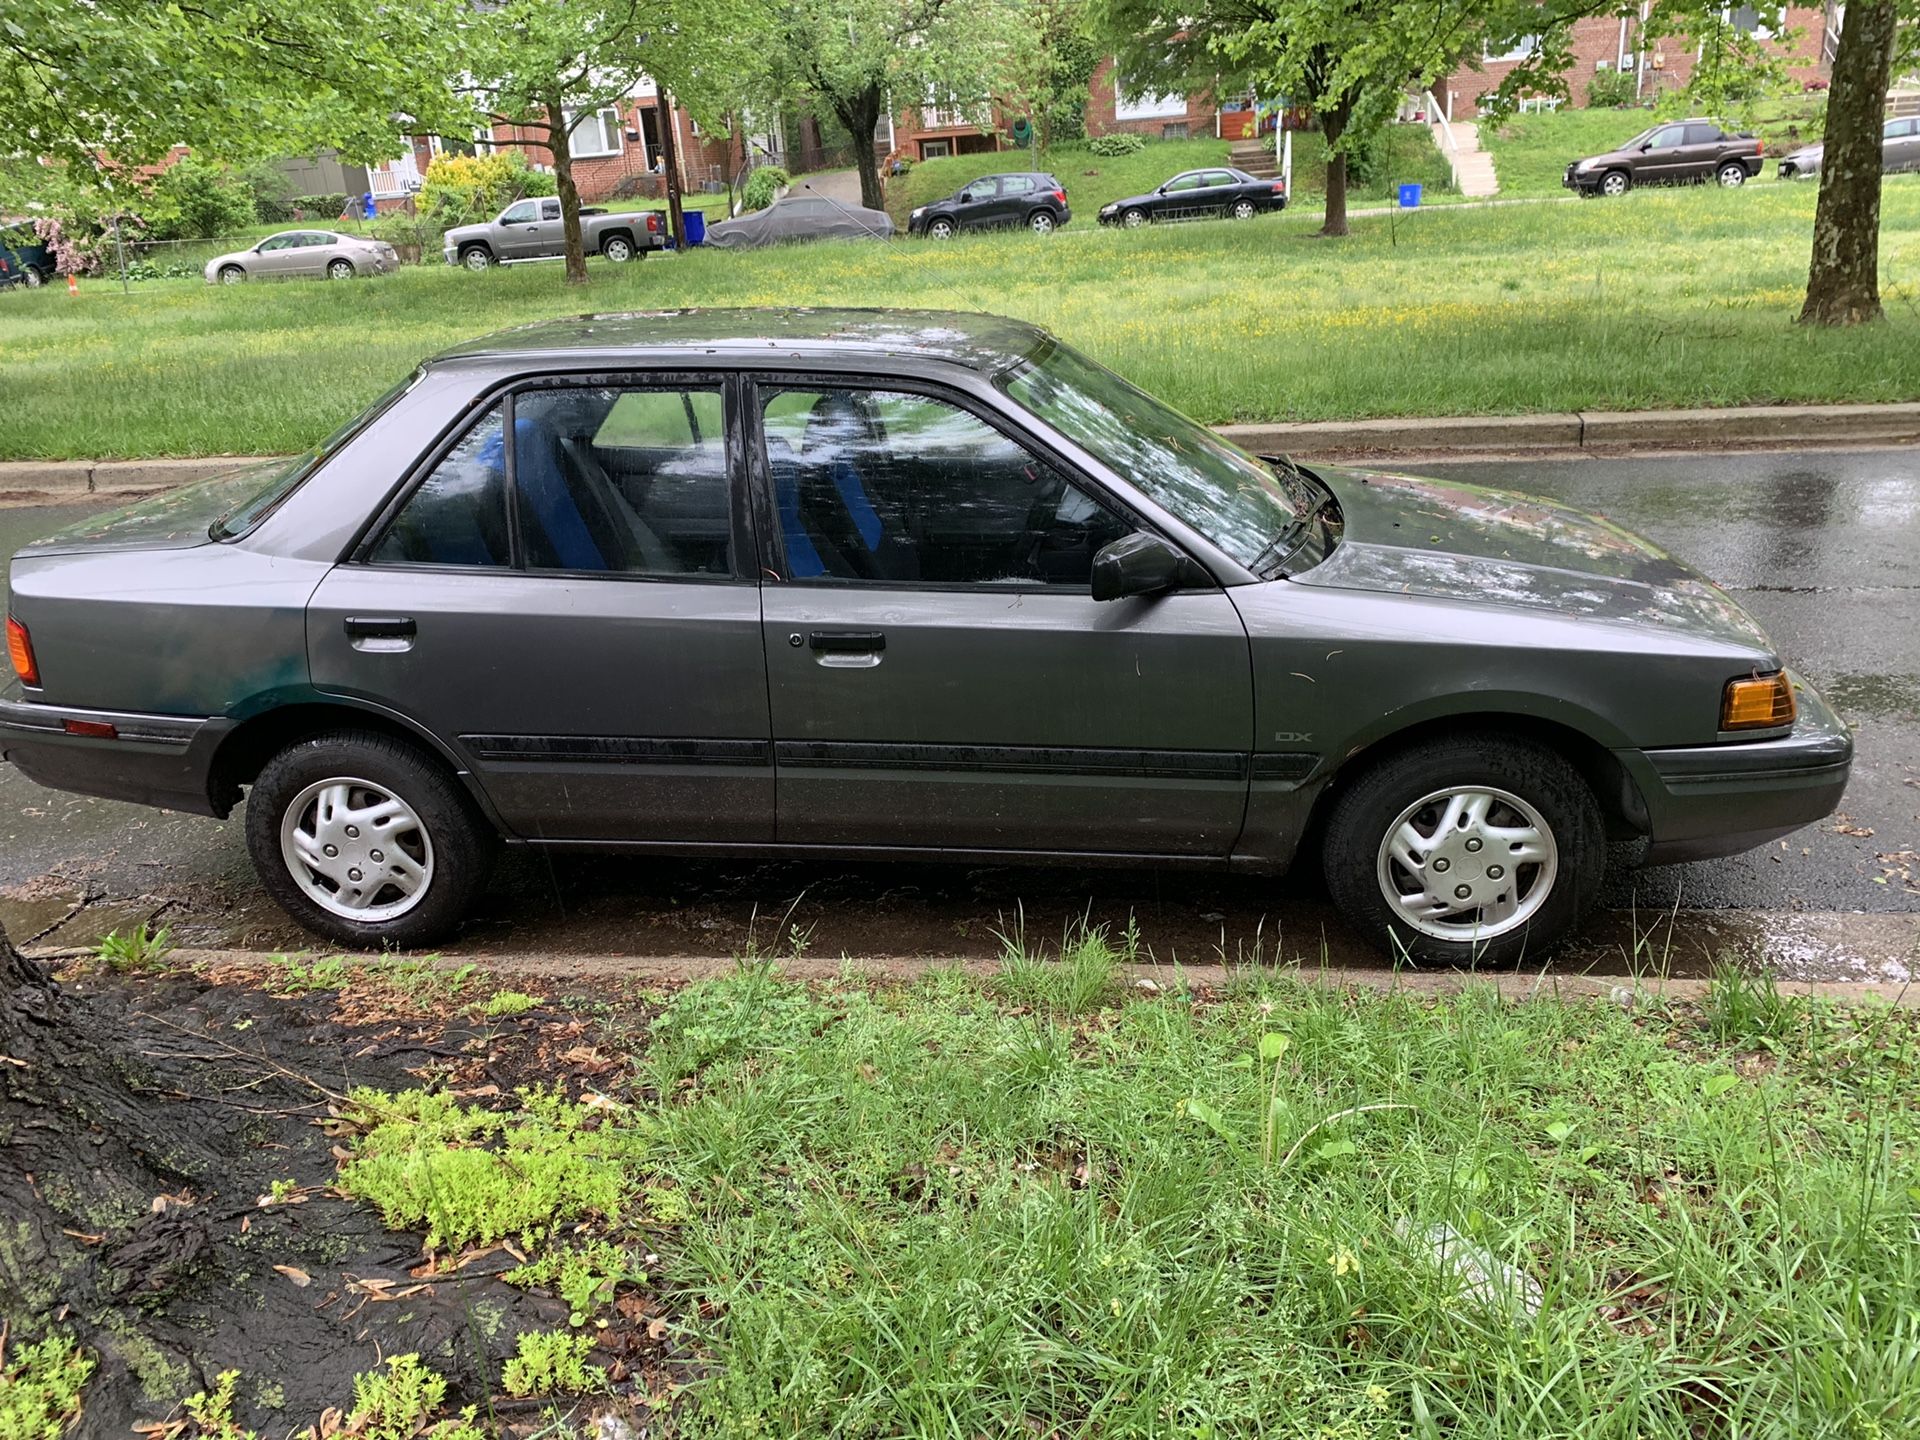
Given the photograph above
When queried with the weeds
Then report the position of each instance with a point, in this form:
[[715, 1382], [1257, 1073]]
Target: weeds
[[585, 1276], [140, 949], [211, 1412], [399, 1403], [1745, 1006], [506, 1004], [40, 1387], [552, 1362]]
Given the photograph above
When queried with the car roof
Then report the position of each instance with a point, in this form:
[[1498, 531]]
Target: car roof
[[988, 343]]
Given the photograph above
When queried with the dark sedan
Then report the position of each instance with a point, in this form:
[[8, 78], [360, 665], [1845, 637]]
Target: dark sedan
[[1030, 199], [1219, 193], [893, 584]]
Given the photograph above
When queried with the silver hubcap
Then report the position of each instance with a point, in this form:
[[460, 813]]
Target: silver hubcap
[[356, 849], [340, 270], [1042, 224], [1732, 177], [231, 277], [617, 250], [1467, 864], [1134, 219], [1243, 211], [1614, 184], [941, 229], [476, 260]]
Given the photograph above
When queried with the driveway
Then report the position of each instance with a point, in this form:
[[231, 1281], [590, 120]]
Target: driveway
[[1824, 548]]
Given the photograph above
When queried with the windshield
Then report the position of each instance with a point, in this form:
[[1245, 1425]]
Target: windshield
[[289, 477], [1218, 489]]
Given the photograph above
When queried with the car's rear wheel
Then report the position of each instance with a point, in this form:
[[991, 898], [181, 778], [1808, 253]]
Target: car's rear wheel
[[1243, 209], [33, 278], [940, 229], [1731, 174], [232, 275], [1134, 218], [617, 248], [340, 270], [367, 840], [1615, 182], [476, 258], [1469, 849], [1041, 222]]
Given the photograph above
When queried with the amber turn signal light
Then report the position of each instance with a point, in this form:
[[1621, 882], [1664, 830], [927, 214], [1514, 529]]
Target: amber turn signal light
[[20, 652], [1763, 702]]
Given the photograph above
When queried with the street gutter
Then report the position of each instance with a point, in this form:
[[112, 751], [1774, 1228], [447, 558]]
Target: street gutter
[[1589, 432]]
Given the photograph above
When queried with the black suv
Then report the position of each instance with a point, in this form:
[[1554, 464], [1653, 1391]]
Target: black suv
[[1678, 152], [1030, 198]]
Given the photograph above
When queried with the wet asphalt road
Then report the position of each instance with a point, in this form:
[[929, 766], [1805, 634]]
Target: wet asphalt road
[[1823, 548]]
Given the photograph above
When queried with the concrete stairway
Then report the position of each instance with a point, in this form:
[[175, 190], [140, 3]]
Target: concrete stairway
[[1256, 157], [1472, 166]]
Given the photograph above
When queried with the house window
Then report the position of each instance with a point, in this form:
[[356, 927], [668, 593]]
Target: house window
[[1174, 130], [596, 134], [1763, 22], [1146, 106], [935, 149], [1521, 48]]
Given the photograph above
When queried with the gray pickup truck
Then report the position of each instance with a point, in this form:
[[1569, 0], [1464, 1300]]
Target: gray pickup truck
[[531, 230]]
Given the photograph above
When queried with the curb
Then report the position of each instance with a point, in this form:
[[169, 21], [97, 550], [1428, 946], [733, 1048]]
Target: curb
[[1595, 431]]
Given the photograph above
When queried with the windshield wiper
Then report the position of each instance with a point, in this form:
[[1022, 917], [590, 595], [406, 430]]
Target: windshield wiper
[[1289, 537]]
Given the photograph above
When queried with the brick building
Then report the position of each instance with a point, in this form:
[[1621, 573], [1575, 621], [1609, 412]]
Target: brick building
[[1604, 45], [617, 152]]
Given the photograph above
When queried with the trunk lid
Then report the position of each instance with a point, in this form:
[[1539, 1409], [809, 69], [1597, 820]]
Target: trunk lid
[[174, 520]]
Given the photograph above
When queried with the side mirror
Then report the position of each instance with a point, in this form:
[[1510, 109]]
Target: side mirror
[[1646, 147], [1136, 564]]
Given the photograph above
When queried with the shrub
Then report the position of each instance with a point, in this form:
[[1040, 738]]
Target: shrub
[[1120, 142], [1611, 90], [316, 207], [195, 199], [764, 186], [467, 189], [40, 1388], [551, 1362]]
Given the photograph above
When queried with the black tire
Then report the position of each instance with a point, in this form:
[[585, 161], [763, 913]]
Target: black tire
[[1242, 210], [1041, 222], [232, 275], [476, 258], [618, 248], [1134, 218], [1372, 805], [33, 278], [462, 849], [1615, 182], [940, 228], [341, 270], [1731, 175]]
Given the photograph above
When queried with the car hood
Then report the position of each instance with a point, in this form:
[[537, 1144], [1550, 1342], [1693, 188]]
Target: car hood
[[1130, 200], [465, 232], [175, 520], [1403, 534]]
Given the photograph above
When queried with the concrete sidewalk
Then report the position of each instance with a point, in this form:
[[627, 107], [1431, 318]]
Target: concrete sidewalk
[[1584, 432]]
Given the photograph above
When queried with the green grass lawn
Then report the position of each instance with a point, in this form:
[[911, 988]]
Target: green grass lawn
[[1047, 1204], [1096, 180], [1665, 298]]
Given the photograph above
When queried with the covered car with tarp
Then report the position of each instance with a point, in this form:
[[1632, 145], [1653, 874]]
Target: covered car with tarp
[[24, 260], [800, 217]]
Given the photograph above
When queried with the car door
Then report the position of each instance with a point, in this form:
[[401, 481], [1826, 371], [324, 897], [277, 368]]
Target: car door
[[940, 674], [1701, 149], [1900, 148], [975, 206], [1015, 199], [311, 255], [276, 256], [1218, 190], [1176, 197], [576, 614], [547, 234], [516, 228], [1663, 157]]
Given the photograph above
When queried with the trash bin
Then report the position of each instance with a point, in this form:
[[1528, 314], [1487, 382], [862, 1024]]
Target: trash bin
[[1410, 196], [696, 222]]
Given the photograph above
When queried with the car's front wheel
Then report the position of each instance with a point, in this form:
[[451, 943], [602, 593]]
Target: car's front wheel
[[476, 258], [232, 275], [367, 840], [940, 229], [618, 248], [340, 270], [1469, 849], [1731, 175], [1615, 182], [1134, 218]]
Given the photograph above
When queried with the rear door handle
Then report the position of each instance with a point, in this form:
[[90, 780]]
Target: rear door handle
[[847, 642], [380, 627]]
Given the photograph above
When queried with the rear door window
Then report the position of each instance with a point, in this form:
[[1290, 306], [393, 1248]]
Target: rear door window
[[1702, 134]]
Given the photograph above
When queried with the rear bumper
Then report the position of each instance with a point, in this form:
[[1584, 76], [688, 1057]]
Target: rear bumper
[[163, 760], [1704, 801]]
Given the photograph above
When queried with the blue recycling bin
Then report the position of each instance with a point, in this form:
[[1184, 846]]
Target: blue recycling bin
[[1410, 195], [696, 221]]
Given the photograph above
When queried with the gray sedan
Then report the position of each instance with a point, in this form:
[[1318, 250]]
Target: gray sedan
[[894, 584], [1899, 151], [310, 254]]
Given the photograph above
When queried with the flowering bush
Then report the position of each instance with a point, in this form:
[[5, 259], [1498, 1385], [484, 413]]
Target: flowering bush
[[467, 189]]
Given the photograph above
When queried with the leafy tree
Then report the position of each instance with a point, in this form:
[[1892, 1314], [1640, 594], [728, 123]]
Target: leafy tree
[[857, 56], [1347, 61], [550, 66], [1045, 77]]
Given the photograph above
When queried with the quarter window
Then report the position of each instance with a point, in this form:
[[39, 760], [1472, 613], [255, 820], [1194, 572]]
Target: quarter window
[[895, 488], [1016, 184], [458, 516], [549, 209]]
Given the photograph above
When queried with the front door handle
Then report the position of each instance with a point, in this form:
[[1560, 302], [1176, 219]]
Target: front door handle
[[847, 642], [379, 627]]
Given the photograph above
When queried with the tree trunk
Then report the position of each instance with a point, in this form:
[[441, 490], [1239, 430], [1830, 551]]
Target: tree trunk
[[1843, 283], [670, 167], [860, 113], [1333, 124], [560, 145]]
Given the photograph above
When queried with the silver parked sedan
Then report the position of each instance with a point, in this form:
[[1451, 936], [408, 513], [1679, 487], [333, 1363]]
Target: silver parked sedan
[[1899, 150], [308, 254]]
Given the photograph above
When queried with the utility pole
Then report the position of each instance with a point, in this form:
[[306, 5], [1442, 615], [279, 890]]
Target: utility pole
[[670, 163]]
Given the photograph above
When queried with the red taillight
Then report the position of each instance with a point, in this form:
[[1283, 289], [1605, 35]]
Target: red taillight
[[1061, 196], [20, 651], [92, 729], [1279, 187], [653, 222]]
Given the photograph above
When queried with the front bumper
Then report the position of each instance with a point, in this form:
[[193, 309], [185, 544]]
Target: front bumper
[[1704, 801], [1581, 179], [164, 760], [1793, 170]]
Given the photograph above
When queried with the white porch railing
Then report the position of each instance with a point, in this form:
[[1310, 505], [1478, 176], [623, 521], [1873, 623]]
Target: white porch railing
[[393, 178], [1443, 128]]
